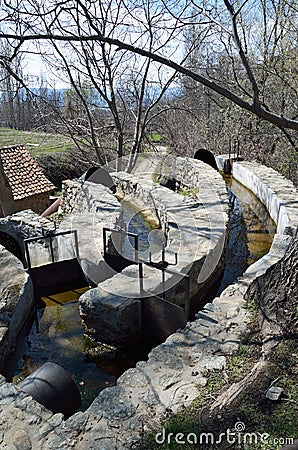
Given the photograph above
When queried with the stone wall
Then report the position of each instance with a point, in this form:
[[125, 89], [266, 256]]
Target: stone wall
[[74, 197], [16, 302], [23, 225], [80, 196], [208, 187], [195, 223], [88, 208], [37, 203], [280, 199], [279, 196]]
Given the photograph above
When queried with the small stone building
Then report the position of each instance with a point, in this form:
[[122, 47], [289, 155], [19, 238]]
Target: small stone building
[[23, 184]]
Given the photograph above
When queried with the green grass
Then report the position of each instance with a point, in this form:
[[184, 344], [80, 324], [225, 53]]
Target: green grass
[[278, 420], [156, 138], [189, 192], [34, 141]]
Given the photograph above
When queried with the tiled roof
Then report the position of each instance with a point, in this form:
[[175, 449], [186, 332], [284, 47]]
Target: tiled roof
[[24, 175]]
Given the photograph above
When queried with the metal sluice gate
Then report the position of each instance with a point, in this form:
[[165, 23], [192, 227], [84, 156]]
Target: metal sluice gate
[[58, 275], [160, 317], [49, 235]]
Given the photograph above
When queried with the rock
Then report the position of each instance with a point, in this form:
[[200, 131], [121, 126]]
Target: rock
[[109, 318], [16, 301], [102, 352], [22, 440], [214, 362], [113, 404], [274, 393]]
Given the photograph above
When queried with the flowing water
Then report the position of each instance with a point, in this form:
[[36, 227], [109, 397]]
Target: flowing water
[[56, 333], [251, 231], [149, 237]]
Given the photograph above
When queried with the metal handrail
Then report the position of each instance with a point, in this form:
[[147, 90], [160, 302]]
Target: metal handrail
[[162, 265], [50, 236]]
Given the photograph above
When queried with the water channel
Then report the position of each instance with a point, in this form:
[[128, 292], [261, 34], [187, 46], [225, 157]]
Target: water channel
[[56, 334], [251, 231]]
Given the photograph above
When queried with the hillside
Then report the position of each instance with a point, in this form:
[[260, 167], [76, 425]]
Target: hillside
[[55, 153], [35, 141]]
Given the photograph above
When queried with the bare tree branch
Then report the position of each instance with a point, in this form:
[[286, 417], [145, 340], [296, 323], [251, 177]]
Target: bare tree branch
[[254, 108]]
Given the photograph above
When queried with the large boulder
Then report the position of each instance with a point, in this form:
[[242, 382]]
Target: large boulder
[[119, 317], [16, 302]]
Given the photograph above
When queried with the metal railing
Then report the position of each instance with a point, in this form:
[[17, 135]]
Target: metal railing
[[49, 236], [161, 265]]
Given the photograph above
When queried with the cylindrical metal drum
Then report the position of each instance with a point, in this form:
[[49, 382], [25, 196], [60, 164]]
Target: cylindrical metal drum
[[53, 387]]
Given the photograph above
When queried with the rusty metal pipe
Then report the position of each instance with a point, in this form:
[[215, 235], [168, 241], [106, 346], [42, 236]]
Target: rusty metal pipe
[[52, 208]]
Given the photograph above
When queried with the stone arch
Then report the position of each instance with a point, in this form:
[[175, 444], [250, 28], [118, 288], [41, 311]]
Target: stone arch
[[12, 245], [206, 156], [99, 175]]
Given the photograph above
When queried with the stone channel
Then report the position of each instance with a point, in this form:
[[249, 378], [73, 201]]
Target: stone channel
[[195, 229], [174, 373]]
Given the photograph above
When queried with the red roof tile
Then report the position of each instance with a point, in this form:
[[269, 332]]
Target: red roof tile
[[24, 175]]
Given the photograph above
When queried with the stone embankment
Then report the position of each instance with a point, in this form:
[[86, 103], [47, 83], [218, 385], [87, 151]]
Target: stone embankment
[[174, 373], [279, 196]]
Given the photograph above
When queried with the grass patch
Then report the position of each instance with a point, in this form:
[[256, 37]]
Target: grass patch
[[35, 142], [194, 420], [279, 419], [156, 138], [189, 192], [276, 421], [155, 178]]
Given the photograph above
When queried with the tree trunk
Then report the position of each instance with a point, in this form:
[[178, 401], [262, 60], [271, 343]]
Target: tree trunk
[[276, 294]]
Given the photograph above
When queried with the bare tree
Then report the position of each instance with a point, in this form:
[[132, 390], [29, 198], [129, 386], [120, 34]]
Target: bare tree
[[129, 86], [98, 39], [11, 94]]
